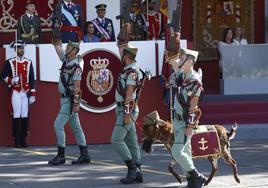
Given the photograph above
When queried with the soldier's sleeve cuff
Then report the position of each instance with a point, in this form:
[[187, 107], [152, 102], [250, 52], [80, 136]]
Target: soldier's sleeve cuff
[[32, 93]]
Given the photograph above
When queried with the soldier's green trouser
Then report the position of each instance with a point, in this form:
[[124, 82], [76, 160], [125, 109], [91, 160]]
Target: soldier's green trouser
[[63, 117], [124, 137], [181, 149]]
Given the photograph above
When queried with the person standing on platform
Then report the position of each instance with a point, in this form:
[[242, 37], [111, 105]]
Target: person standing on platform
[[239, 37], [19, 74], [72, 22], [227, 40], [70, 92], [124, 136], [29, 25], [137, 22], [186, 112], [89, 33], [103, 27], [154, 21]]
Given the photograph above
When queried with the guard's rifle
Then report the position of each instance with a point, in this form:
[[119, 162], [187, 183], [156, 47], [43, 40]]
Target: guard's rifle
[[57, 22], [172, 43], [174, 30], [123, 36], [145, 75]]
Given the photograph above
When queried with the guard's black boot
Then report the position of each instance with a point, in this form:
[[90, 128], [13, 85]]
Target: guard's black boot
[[24, 132], [189, 182], [60, 158], [197, 179], [16, 132], [84, 157], [131, 173], [139, 178]]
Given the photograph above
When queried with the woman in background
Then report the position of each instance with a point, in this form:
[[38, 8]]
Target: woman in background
[[89, 33], [227, 40], [239, 37]]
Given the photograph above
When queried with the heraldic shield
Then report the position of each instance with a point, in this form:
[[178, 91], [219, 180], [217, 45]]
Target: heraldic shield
[[101, 70]]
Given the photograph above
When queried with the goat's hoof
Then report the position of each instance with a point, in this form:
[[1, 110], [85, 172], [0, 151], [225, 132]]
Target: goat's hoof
[[237, 179], [179, 180]]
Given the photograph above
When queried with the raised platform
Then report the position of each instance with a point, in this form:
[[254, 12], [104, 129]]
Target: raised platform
[[221, 109]]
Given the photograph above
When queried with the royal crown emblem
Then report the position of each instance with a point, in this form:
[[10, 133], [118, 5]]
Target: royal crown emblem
[[100, 79]]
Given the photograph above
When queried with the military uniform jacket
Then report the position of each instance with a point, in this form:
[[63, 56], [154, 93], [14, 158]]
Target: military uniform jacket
[[129, 76], [23, 69], [104, 30], [69, 72], [29, 30], [187, 86], [71, 17], [138, 29]]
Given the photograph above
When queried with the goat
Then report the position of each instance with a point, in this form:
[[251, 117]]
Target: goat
[[163, 132]]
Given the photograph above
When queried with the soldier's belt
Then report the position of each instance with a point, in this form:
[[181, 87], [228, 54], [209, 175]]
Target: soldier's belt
[[70, 28], [178, 116], [29, 36], [120, 104]]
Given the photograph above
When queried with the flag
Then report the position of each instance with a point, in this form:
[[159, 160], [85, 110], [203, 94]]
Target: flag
[[164, 13]]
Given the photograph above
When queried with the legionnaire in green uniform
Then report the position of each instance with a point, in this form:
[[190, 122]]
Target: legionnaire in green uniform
[[69, 88], [124, 136], [188, 84], [29, 25]]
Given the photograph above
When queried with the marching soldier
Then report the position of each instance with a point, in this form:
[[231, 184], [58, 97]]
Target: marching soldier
[[71, 20], [69, 89], [138, 23], [29, 25], [19, 74], [103, 27], [189, 88], [124, 136]]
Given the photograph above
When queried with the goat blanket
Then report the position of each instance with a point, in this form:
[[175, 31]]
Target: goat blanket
[[205, 141]]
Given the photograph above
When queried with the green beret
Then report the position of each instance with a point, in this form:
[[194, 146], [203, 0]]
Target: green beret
[[151, 118], [189, 52], [131, 50], [74, 44]]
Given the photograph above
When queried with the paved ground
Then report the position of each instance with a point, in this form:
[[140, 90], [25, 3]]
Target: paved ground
[[27, 168]]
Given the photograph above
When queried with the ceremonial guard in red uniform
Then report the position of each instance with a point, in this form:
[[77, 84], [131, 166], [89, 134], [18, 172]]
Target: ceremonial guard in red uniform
[[154, 21], [19, 74]]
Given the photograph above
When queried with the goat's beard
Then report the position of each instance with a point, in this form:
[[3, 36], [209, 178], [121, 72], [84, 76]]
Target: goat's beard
[[147, 145]]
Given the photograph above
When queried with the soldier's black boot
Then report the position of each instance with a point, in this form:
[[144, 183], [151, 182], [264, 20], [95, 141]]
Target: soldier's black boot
[[131, 173], [139, 178], [84, 157], [16, 132], [189, 182], [24, 132], [197, 179], [60, 157]]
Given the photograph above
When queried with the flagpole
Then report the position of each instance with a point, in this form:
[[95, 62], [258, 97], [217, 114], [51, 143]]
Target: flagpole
[[16, 50]]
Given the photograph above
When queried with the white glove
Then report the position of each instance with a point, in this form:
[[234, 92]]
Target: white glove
[[15, 80], [32, 100]]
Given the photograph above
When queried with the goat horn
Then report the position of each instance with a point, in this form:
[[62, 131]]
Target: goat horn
[[235, 126]]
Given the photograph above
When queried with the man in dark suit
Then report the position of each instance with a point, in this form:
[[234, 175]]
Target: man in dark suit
[[72, 22], [29, 25], [103, 27], [137, 22]]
